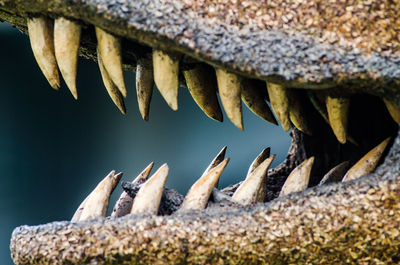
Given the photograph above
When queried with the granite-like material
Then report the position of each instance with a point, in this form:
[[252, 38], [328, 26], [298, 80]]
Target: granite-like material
[[309, 44]]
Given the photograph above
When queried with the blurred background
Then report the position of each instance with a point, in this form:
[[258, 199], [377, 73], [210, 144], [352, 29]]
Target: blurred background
[[54, 150]]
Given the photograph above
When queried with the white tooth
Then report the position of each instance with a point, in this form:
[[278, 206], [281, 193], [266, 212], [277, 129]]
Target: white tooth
[[298, 179], [259, 159], [254, 98], [66, 42], [77, 215], [124, 204], [96, 204], [215, 162], [144, 85], [109, 48], [248, 191], [229, 88], [202, 87], [112, 90], [166, 70], [199, 193], [148, 198], [279, 103], [40, 31], [335, 174], [367, 163]]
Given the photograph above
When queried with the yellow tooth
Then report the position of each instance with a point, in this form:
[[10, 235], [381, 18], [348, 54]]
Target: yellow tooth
[[279, 103], [124, 204], [66, 43], [262, 193], [112, 90], [199, 193], [393, 109], [335, 174], [109, 47], [144, 85], [96, 204], [297, 115], [215, 162], [253, 98], [148, 198], [166, 73], [298, 179], [248, 191], [40, 31], [367, 163], [229, 91], [337, 113], [201, 85]]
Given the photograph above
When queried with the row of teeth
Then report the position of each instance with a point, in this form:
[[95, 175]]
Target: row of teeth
[[56, 47], [252, 190]]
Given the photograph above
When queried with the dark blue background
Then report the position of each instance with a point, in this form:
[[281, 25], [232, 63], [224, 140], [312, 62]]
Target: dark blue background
[[54, 150]]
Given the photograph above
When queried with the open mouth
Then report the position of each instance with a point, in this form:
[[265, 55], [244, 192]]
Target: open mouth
[[339, 102]]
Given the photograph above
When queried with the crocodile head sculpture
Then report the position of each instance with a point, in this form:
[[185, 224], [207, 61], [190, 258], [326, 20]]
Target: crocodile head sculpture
[[330, 69]]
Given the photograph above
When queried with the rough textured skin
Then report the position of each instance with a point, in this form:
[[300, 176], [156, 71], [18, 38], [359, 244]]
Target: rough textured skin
[[351, 46], [309, 44]]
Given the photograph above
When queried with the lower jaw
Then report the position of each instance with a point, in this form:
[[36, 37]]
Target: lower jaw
[[356, 221]]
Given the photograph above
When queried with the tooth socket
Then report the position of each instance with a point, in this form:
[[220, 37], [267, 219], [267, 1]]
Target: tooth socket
[[40, 31], [109, 48], [166, 76], [279, 103], [144, 85], [229, 88], [66, 41], [337, 113], [202, 86], [254, 97]]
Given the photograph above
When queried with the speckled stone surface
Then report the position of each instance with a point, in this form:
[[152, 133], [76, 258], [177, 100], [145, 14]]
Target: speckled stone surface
[[357, 222], [312, 44]]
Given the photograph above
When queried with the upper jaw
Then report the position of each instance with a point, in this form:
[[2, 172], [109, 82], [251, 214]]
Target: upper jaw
[[320, 60]]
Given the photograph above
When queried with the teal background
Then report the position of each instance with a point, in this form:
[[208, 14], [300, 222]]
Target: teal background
[[54, 150]]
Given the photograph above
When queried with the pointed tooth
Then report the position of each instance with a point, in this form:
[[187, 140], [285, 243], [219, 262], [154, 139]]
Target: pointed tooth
[[66, 43], [199, 193], [97, 202], [393, 109], [335, 174], [259, 159], [216, 161], [109, 47], [229, 91], [367, 163], [40, 31], [148, 198], [297, 115], [123, 205], [279, 103], [262, 193], [248, 191], [112, 90], [254, 98], [144, 85], [201, 84], [298, 179], [337, 113], [166, 72]]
